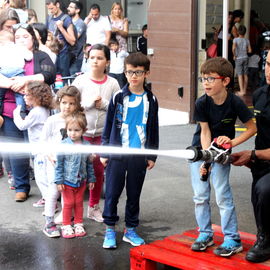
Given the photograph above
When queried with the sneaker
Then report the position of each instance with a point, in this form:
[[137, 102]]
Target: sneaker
[[110, 239], [95, 213], [204, 241], [67, 231], [79, 230], [132, 237], [228, 248], [39, 203], [51, 230]]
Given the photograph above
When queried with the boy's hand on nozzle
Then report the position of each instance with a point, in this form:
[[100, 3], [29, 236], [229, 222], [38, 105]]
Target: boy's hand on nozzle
[[104, 161], [224, 142], [150, 165], [91, 186], [61, 187]]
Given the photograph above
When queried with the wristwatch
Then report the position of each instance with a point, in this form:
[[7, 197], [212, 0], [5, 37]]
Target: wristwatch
[[253, 156]]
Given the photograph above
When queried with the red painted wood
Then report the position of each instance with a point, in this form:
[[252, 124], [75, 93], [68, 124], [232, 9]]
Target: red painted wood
[[175, 251]]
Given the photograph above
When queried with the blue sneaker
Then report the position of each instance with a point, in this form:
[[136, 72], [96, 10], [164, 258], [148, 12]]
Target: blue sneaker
[[228, 248], [132, 237], [110, 239], [204, 241]]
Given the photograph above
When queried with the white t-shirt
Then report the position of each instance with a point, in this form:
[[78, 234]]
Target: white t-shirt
[[33, 122], [13, 55], [117, 62], [96, 30]]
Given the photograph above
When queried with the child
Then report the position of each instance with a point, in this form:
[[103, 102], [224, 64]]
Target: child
[[132, 122], [216, 112], [13, 59], [72, 183], [117, 63], [96, 89], [38, 97], [241, 48], [85, 63], [142, 40], [253, 71], [68, 99]]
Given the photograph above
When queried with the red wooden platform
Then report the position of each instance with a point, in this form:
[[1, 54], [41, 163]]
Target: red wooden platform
[[175, 251]]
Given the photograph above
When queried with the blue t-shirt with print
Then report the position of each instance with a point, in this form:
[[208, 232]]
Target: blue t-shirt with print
[[134, 125]]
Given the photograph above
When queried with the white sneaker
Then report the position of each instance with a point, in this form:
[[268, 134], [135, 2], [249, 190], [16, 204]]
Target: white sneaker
[[95, 213]]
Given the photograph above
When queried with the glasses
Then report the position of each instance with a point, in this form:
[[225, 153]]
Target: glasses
[[138, 73], [209, 79], [20, 25]]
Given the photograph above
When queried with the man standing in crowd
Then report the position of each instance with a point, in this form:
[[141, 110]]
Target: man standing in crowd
[[74, 9], [61, 26], [258, 160], [98, 27]]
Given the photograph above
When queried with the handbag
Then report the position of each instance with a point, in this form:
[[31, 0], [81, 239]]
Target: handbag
[[212, 50]]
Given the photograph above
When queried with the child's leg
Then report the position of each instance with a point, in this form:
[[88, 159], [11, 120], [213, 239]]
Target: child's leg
[[220, 175], [41, 174], [69, 198], [135, 179], [241, 84], [201, 199], [2, 96], [78, 207], [115, 182], [52, 192]]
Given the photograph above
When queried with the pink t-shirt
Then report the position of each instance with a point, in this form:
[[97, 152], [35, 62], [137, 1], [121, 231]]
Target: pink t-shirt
[[9, 103]]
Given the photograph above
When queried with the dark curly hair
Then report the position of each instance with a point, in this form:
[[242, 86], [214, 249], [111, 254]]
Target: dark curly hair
[[42, 93]]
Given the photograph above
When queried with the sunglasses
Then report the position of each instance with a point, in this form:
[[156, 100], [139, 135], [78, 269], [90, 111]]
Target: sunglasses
[[20, 25]]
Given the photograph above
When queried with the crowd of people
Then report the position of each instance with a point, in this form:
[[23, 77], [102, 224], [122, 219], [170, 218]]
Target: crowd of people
[[119, 110], [246, 54]]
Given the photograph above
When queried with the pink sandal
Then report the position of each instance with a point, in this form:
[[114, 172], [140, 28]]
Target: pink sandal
[[67, 231], [79, 230]]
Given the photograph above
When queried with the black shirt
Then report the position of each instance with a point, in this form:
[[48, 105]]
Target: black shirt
[[221, 118], [142, 45], [261, 102]]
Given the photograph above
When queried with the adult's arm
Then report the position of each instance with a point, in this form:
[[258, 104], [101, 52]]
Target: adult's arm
[[124, 32], [44, 71], [68, 34], [107, 37]]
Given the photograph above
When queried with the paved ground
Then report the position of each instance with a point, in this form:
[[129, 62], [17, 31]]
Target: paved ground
[[166, 208]]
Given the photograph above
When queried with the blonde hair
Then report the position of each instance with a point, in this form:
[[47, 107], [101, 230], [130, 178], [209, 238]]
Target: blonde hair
[[79, 118], [113, 6]]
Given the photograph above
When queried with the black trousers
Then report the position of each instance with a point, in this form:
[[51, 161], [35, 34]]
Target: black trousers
[[129, 170], [260, 195]]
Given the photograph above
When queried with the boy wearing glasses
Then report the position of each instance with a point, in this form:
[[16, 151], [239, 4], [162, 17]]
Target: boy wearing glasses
[[216, 113], [132, 122]]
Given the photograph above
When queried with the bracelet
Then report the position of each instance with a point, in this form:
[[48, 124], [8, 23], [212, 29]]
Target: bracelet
[[253, 156]]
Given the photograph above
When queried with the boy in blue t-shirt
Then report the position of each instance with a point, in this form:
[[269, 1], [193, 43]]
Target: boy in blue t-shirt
[[132, 122], [216, 112]]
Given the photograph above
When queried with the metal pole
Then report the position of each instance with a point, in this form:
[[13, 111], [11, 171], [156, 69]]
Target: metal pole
[[225, 29]]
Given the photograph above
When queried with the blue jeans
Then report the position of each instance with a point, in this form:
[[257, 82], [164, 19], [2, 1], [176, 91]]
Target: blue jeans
[[62, 64], [202, 190], [19, 163]]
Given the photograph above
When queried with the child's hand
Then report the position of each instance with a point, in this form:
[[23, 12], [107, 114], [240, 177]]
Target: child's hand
[[91, 186], [98, 102], [61, 187], [151, 164], [92, 157], [104, 161], [223, 140]]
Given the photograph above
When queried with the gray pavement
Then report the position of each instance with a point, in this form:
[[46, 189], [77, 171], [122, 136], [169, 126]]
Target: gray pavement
[[166, 209]]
